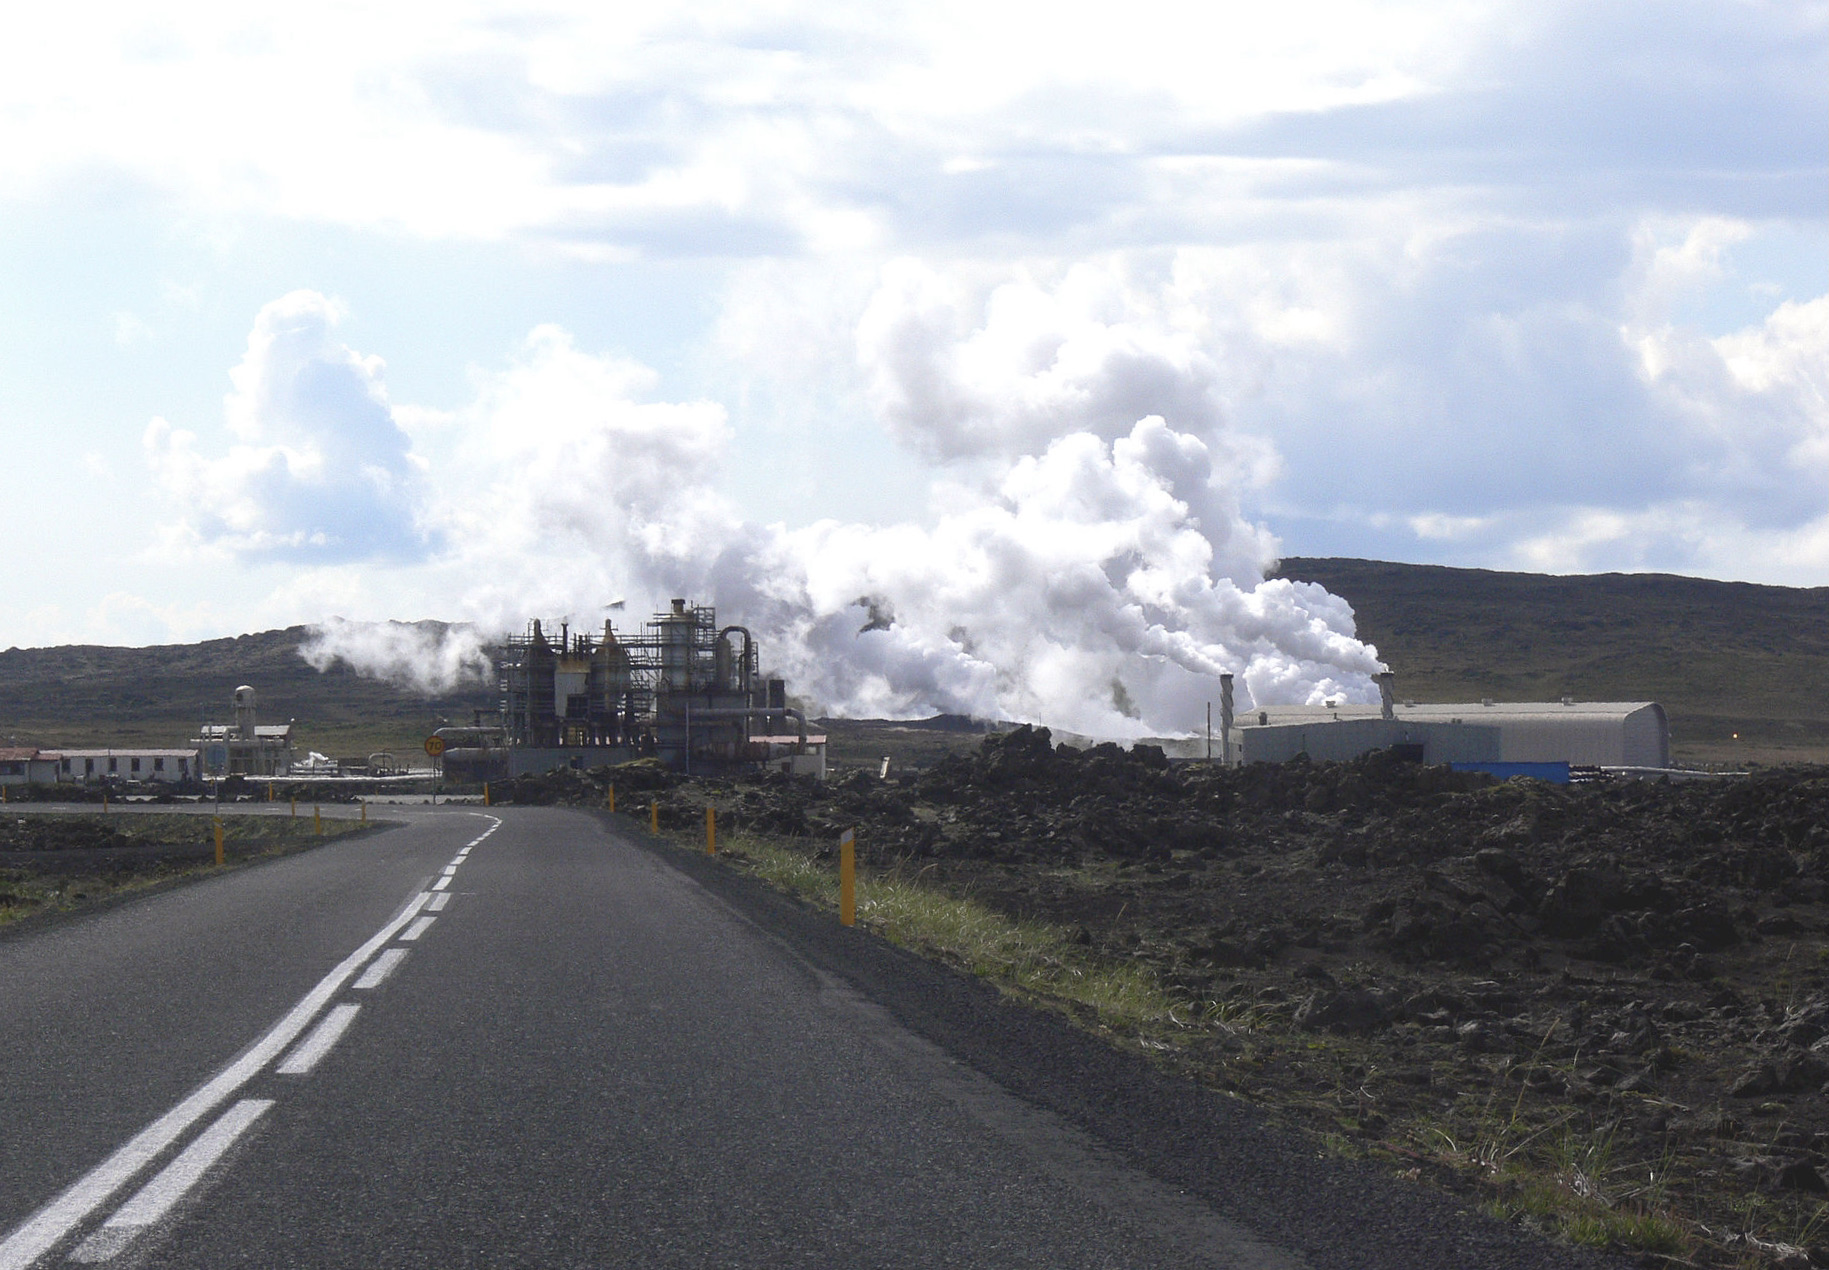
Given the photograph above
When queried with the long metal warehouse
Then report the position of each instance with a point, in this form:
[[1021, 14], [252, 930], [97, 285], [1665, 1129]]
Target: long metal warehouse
[[1588, 733]]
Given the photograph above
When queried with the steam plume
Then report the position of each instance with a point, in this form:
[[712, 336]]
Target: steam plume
[[1099, 578]]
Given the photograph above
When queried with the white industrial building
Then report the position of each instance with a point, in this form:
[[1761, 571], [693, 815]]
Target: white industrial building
[[245, 748], [89, 767], [1579, 733]]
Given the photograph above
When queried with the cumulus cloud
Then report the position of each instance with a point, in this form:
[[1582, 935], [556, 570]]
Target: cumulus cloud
[[1043, 363], [318, 469]]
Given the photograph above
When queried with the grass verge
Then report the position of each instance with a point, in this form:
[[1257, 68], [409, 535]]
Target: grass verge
[[1551, 1175], [1035, 961]]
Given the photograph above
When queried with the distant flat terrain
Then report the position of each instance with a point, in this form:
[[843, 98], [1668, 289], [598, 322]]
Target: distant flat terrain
[[1722, 657]]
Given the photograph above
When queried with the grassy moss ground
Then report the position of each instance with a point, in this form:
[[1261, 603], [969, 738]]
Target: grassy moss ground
[[68, 880], [1550, 1168]]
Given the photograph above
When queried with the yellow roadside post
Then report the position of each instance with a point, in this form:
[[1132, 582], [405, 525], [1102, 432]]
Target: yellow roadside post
[[365, 811], [847, 878], [485, 793], [295, 806], [711, 831], [217, 822], [612, 800], [653, 817], [269, 791], [3, 797], [317, 822]]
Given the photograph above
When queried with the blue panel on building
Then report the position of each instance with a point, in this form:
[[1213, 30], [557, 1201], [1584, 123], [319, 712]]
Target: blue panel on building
[[1554, 773]]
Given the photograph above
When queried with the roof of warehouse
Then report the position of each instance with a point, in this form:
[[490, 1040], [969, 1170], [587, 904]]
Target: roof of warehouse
[[16, 753], [1440, 712], [122, 753]]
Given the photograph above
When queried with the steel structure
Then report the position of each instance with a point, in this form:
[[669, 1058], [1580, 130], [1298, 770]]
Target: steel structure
[[683, 689]]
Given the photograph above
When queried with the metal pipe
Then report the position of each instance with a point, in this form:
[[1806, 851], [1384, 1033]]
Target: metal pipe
[[750, 712], [1387, 695], [749, 645]]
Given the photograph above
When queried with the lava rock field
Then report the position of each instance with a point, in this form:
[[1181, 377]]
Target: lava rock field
[[1618, 988]]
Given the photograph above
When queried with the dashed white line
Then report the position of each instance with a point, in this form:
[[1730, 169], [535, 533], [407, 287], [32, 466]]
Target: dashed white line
[[417, 929], [437, 905], [41, 1231], [442, 883], [383, 966], [450, 869], [156, 1198], [326, 1034]]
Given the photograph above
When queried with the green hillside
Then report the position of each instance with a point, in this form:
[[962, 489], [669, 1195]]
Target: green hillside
[[84, 694], [1722, 657]]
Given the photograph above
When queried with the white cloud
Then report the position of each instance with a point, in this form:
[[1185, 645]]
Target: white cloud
[[319, 470], [1042, 363], [1421, 279]]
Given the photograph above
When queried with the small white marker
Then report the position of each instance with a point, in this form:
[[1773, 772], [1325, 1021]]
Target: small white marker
[[383, 966], [450, 869], [313, 1048], [438, 902], [441, 884], [156, 1198], [417, 929]]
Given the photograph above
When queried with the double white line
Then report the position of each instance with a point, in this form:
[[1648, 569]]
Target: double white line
[[44, 1229]]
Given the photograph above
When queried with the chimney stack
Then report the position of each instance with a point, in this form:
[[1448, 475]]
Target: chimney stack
[[1387, 699], [1225, 720]]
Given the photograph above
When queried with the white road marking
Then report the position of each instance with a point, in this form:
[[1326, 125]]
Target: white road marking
[[417, 929], [40, 1232], [450, 869], [441, 884], [383, 966], [157, 1197], [437, 905], [326, 1034]]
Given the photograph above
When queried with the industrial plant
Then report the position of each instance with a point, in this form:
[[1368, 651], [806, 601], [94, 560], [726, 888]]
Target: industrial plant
[[245, 747], [684, 691], [1622, 735], [691, 694]]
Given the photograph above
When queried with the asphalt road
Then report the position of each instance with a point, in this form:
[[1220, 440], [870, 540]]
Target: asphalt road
[[518, 1038]]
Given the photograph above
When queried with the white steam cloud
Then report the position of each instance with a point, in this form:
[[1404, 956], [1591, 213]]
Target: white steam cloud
[[1080, 592], [428, 657], [1098, 576]]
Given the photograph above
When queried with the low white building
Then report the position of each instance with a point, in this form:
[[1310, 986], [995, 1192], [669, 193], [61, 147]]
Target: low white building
[[89, 767], [24, 765]]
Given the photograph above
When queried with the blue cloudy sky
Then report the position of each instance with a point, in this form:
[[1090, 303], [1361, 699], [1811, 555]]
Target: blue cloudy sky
[[477, 310]]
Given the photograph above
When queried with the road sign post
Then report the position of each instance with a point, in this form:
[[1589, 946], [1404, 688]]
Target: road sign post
[[435, 749]]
